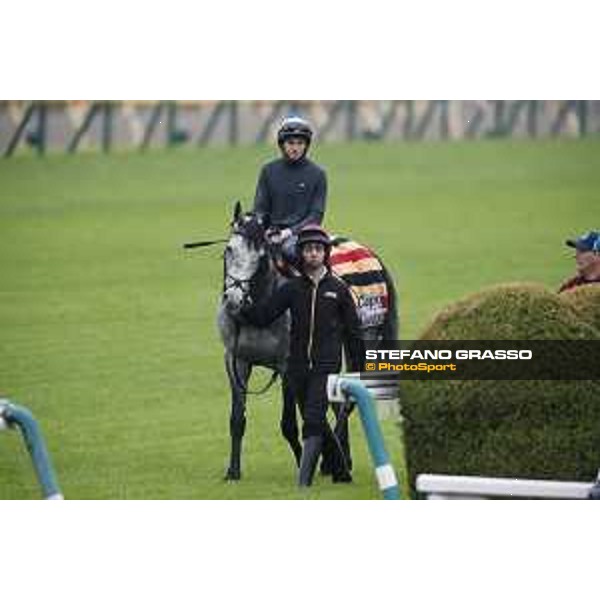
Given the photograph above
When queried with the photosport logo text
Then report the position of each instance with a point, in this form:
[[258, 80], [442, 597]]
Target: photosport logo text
[[494, 359]]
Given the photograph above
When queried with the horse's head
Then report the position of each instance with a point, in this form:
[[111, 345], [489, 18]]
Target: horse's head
[[245, 260]]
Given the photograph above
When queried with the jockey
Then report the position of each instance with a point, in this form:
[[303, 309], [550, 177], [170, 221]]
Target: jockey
[[291, 191]]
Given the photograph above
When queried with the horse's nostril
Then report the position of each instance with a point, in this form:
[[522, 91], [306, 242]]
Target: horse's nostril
[[232, 298]]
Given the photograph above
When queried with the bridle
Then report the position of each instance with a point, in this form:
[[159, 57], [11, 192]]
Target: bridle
[[246, 287], [236, 283]]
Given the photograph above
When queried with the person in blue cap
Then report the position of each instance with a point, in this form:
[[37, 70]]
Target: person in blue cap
[[587, 261], [292, 190]]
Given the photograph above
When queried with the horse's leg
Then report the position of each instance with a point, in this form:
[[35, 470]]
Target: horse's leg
[[289, 421], [237, 417]]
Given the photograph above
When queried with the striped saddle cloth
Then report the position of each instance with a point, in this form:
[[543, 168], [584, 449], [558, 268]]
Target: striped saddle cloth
[[360, 268]]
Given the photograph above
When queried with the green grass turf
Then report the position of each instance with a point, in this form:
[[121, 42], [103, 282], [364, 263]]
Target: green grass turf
[[107, 328]]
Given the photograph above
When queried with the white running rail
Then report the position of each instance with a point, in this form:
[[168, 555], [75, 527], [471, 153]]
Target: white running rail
[[451, 487]]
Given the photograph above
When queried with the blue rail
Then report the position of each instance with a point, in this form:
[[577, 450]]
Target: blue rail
[[13, 415], [384, 471]]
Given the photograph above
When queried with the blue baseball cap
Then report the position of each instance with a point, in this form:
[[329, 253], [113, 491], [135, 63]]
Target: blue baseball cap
[[588, 242]]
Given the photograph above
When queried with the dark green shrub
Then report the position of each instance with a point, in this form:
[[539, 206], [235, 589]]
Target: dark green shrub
[[527, 429], [512, 311], [585, 300]]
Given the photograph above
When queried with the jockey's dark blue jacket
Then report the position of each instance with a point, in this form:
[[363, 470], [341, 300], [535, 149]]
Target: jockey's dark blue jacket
[[292, 194]]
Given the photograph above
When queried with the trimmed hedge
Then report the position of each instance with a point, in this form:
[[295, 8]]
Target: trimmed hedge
[[585, 300], [512, 311], [527, 429]]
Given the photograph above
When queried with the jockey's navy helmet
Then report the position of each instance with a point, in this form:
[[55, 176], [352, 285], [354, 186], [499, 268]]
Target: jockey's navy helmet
[[294, 127]]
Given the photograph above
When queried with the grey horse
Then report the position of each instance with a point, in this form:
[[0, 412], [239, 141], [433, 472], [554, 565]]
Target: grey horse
[[250, 275]]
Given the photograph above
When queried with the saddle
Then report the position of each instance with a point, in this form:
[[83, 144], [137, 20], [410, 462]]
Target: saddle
[[363, 272]]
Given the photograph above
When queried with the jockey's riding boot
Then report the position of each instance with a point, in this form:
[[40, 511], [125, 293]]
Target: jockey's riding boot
[[308, 463]]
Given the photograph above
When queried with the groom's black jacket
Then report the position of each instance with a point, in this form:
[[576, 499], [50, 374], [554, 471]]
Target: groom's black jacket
[[323, 317]]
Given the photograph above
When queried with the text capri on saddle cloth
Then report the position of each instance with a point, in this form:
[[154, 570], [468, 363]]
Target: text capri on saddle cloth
[[362, 271]]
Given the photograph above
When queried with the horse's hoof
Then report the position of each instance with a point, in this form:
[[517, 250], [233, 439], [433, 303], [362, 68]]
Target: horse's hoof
[[233, 475]]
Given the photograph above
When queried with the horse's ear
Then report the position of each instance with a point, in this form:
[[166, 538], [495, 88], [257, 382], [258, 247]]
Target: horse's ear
[[237, 211]]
